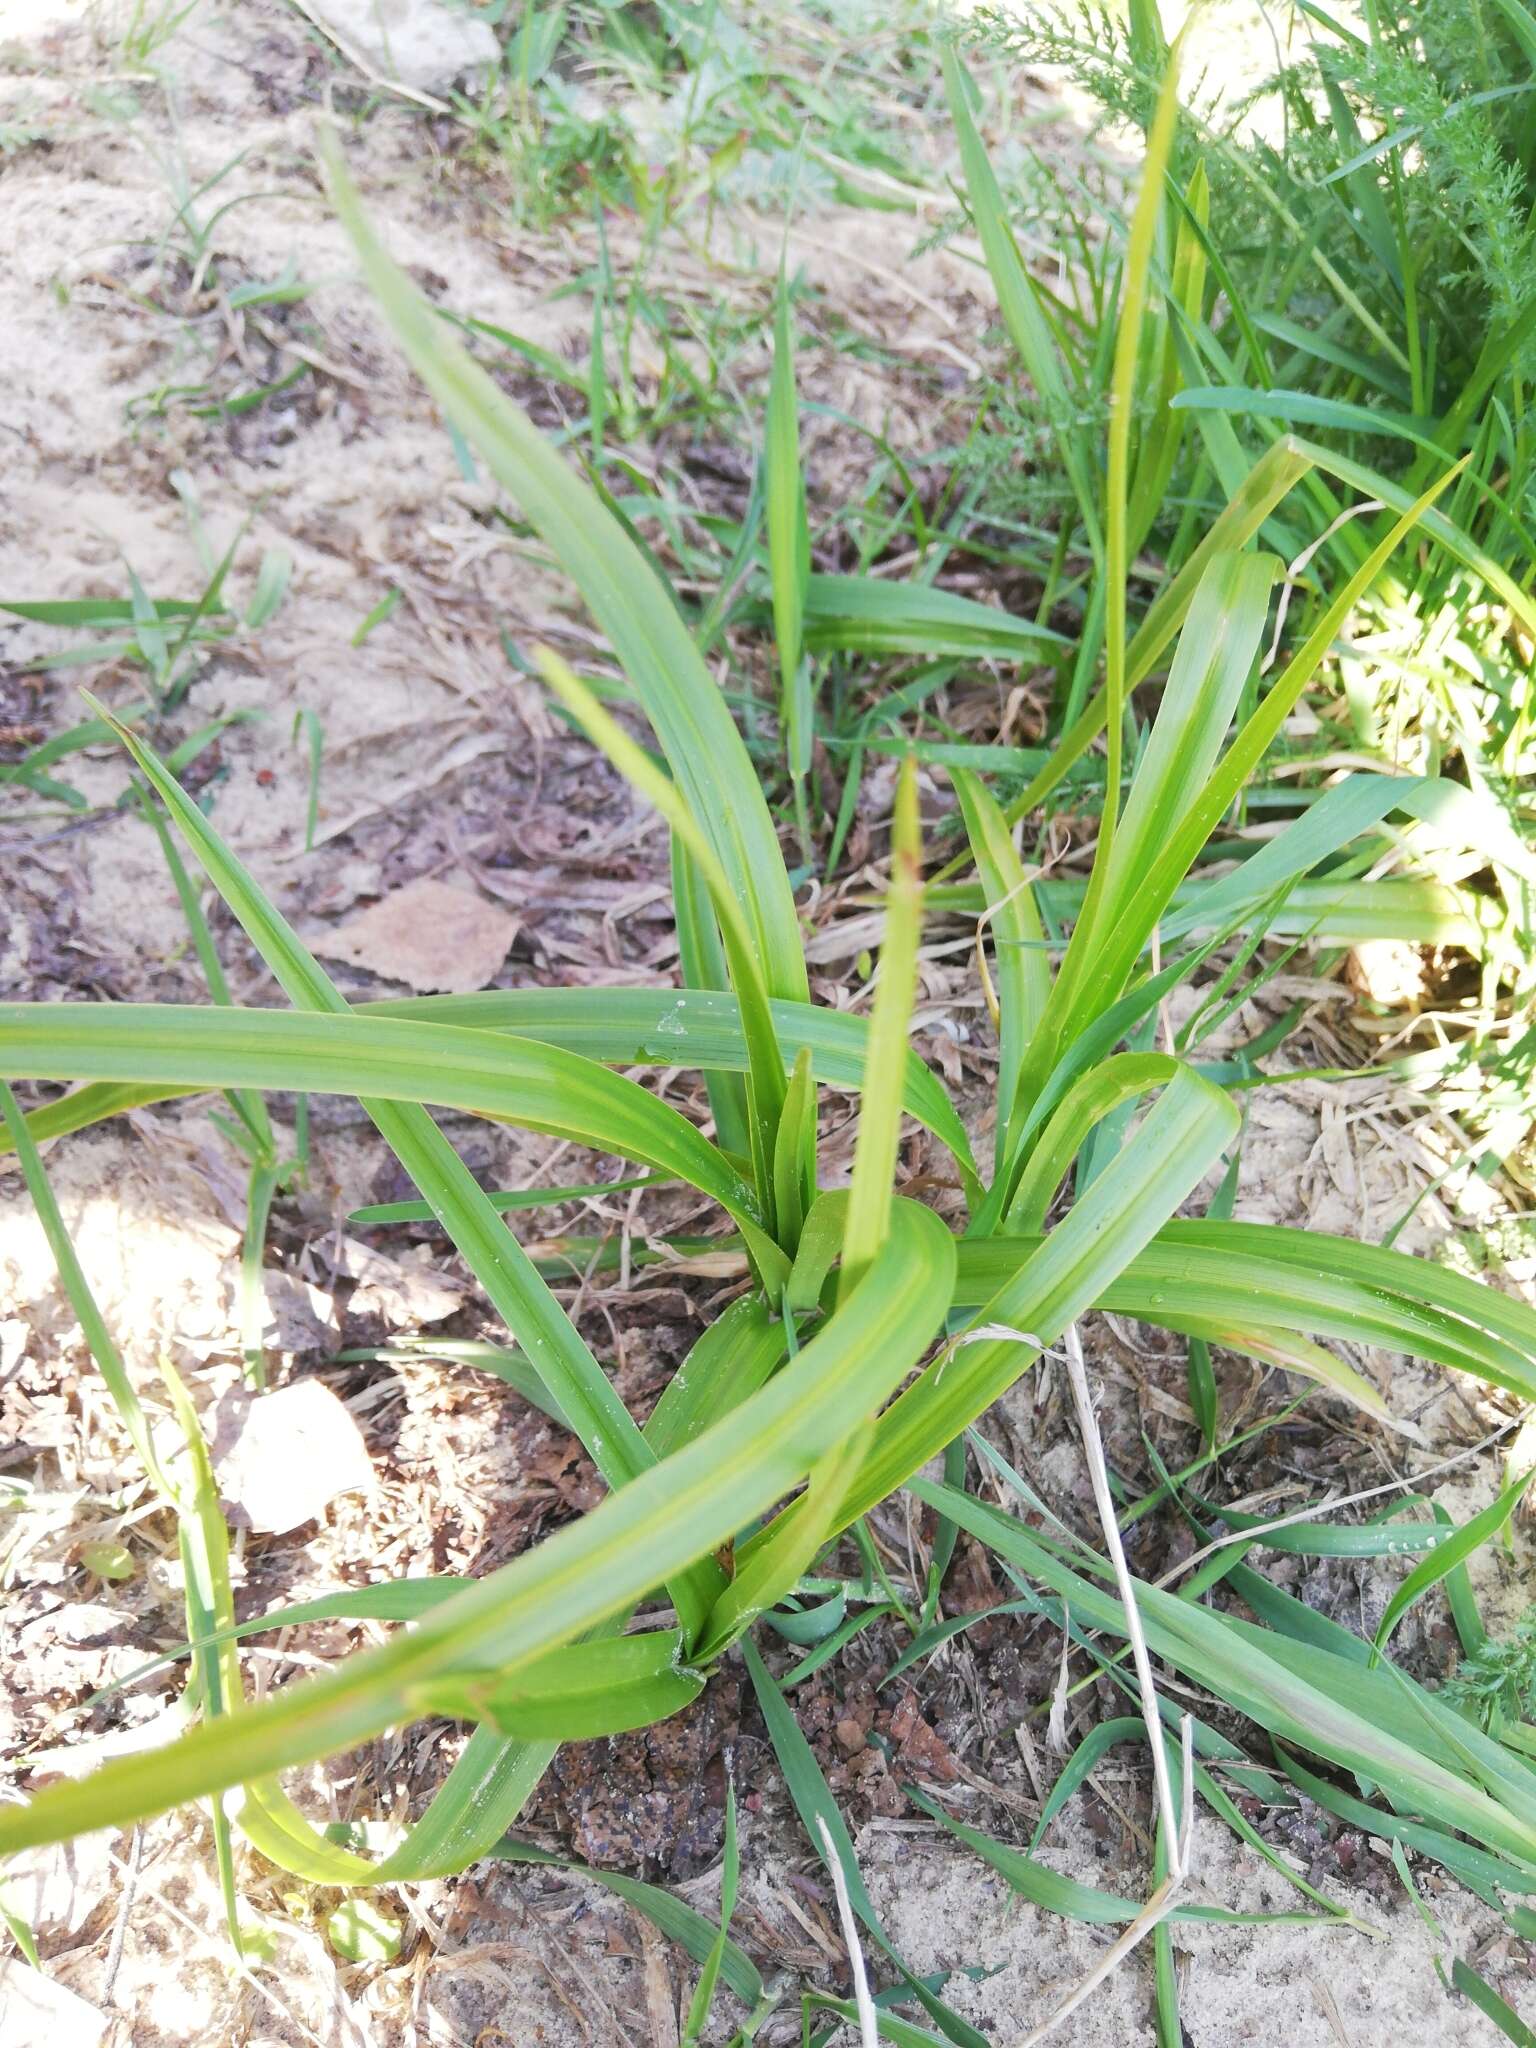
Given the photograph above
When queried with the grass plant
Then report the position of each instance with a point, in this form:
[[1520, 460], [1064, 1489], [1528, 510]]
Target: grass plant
[[875, 1333]]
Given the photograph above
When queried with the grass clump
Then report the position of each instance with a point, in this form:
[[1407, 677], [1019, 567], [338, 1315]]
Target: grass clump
[[1341, 282], [1358, 227], [875, 1331]]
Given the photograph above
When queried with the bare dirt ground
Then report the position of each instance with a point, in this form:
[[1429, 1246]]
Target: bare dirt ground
[[441, 762]]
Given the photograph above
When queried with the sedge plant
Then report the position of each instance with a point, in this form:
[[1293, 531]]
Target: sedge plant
[[873, 1335], [1342, 291]]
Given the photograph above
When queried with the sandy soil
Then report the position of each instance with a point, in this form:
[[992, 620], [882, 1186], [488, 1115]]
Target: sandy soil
[[440, 761]]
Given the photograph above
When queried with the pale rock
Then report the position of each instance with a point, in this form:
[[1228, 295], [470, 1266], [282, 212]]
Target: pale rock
[[1389, 973], [426, 45]]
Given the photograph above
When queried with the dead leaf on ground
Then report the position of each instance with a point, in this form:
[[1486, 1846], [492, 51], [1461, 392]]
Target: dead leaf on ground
[[38, 2008], [280, 1458], [56, 1889], [302, 1317], [57, 1649], [81, 1754], [434, 938], [398, 1291]]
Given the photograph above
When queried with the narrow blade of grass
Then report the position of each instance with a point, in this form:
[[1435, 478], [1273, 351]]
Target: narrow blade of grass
[[874, 1159], [703, 748]]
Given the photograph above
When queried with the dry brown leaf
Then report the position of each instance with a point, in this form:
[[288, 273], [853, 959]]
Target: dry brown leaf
[[432, 937], [281, 1457], [57, 1888], [301, 1316], [398, 1291]]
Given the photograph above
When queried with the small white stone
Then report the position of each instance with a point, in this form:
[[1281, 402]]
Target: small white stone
[[427, 45]]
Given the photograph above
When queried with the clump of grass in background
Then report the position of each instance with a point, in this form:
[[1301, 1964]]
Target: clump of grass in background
[[1360, 230], [699, 110], [1342, 278], [873, 1337]]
